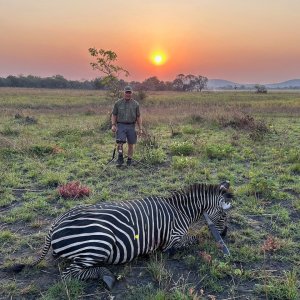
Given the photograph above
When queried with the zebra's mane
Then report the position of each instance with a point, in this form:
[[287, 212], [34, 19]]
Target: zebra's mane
[[204, 189]]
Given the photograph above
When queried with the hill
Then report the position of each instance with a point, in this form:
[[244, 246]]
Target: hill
[[289, 84], [227, 85]]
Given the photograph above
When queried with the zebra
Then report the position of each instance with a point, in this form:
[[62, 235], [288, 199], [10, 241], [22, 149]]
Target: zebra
[[95, 236]]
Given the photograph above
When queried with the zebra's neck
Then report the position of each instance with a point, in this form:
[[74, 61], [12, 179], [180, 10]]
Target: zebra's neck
[[187, 205], [194, 201]]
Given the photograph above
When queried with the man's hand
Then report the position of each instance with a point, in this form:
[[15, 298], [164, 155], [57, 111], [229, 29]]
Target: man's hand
[[140, 132], [113, 128]]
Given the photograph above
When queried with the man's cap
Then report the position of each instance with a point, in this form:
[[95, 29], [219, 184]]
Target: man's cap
[[128, 88]]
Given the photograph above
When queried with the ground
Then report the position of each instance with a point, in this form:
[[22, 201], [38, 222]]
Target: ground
[[51, 137]]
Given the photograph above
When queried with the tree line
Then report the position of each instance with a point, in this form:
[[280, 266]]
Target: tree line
[[182, 83]]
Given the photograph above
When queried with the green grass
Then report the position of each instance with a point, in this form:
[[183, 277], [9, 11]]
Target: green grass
[[65, 290], [249, 139]]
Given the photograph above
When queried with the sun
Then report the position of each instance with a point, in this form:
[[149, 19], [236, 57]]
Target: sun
[[158, 58]]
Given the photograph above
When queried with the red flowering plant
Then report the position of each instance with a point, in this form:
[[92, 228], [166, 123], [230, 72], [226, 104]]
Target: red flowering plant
[[73, 189], [271, 244]]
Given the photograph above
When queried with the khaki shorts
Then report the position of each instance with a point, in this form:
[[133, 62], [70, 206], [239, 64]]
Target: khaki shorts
[[126, 133]]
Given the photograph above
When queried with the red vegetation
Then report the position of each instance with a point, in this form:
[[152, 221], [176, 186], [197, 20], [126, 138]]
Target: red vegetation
[[73, 189], [271, 244], [205, 256]]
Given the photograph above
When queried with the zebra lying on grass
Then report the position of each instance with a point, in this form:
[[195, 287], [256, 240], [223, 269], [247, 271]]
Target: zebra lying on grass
[[112, 233]]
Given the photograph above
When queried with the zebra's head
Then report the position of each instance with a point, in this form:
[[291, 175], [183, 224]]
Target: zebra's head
[[218, 213]]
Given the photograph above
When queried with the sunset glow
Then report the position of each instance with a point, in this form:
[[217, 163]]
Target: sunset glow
[[153, 38]]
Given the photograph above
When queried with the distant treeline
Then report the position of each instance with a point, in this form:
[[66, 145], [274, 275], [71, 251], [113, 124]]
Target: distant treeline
[[180, 83], [183, 83], [54, 82]]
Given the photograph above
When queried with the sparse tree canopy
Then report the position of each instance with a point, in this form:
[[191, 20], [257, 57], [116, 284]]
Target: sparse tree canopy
[[260, 89], [105, 60], [190, 83]]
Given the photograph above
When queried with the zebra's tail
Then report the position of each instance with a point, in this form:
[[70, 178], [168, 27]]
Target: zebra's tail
[[19, 267]]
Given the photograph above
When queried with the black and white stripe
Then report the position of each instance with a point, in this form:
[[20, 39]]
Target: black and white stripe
[[113, 233]]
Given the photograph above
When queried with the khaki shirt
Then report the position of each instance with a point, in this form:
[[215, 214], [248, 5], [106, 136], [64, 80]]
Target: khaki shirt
[[126, 111]]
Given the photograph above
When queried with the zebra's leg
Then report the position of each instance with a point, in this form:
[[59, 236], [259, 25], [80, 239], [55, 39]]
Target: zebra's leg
[[82, 272], [184, 242]]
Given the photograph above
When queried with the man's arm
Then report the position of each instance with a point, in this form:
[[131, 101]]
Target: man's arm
[[139, 122], [113, 122]]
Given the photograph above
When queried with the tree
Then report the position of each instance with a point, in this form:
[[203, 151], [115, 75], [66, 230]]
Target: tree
[[152, 84], [201, 83], [260, 89], [178, 83], [190, 82], [105, 60]]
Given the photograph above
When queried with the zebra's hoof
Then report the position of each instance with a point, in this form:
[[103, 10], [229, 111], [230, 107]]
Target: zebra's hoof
[[109, 281]]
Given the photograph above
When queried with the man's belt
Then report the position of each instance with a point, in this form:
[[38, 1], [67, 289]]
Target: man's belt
[[126, 123]]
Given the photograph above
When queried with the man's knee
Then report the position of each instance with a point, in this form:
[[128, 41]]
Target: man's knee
[[120, 142]]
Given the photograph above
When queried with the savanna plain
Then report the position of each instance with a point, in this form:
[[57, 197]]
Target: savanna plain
[[52, 137]]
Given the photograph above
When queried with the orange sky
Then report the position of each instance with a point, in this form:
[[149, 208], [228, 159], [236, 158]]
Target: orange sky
[[243, 41]]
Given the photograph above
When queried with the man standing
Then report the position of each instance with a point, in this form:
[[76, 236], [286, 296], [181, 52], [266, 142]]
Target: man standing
[[125, 114]]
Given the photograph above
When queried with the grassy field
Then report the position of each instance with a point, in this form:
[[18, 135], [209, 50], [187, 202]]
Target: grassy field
[[51, 137]]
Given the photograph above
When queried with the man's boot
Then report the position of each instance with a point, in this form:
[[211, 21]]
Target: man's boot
[[120, 160], [129, 161]]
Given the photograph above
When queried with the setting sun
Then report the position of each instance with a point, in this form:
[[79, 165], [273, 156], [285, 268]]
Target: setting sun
[[158, 58]]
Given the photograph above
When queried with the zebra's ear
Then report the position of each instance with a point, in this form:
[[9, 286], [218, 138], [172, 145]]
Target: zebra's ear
[[224, 185]]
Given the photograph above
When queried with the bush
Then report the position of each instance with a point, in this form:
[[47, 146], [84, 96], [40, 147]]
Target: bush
[[219, 151], [9, 131], [182, 148], [106, 123], [197, 119], [25, 120], [41, 150], [260, 89], [53, 179], [73, 189], [257, 128], [190, 130], [260, 185], [293, 156], [141, 95], [181, 162], [155, 156], [295, 169]]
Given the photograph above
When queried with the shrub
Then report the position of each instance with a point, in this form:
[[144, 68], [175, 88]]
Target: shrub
[[197, 119], [53, 179], [175, 131], [181, 162], [148, 140], [260, 185], [25, 120], [242, 121], [293, 156], [9, 131], [106, 123], [71, 289], [182, 148], [271, 244], [41, 150], [219, 151], [73, 189], [141, 95], [190, 130], [281, 288], [260, 89], [295, 169], [155, 156]]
